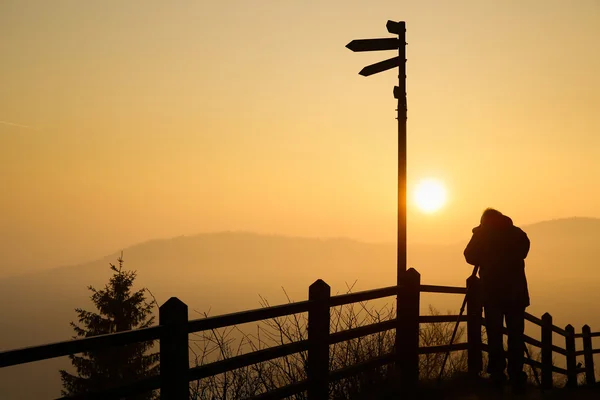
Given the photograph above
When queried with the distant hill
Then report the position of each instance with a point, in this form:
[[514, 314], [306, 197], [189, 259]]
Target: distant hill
[[226, 272], [222, 272]]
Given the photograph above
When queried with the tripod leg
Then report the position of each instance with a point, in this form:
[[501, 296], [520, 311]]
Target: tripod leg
[[462, 309]]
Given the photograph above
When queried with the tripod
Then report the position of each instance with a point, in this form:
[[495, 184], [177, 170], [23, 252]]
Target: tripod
[[462, 309]]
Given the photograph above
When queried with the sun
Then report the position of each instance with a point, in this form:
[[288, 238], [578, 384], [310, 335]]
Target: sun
[[430, 195]]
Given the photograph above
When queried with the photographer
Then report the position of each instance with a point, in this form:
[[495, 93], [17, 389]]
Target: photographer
[[499, 248]]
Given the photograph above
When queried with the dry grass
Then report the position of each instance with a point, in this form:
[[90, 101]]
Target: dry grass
[[210, 346]]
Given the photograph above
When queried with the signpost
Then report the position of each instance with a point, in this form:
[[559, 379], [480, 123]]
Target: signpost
[[407, 331], [399, 43]]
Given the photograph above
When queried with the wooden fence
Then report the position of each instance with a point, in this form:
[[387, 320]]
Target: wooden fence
[[174, 328]]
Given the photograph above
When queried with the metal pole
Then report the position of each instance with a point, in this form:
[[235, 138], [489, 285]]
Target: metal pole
[[400, 94]]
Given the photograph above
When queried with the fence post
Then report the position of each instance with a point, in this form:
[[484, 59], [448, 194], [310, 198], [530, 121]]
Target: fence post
[[588, 355], [318, 340], [174, 356], [547, 351], [407, 330], [474, 311], [571, 358]]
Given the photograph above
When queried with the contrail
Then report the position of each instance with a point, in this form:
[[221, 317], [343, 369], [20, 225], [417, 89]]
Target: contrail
[[31, 128]]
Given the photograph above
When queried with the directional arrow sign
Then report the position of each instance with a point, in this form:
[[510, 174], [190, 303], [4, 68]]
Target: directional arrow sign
[[380, 66], [374, 44], [395, 27]]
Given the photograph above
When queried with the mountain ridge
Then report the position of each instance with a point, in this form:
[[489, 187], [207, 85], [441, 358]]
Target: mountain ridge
[[553, 223]]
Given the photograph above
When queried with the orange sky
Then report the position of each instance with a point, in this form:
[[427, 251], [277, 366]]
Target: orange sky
[[148, 119]]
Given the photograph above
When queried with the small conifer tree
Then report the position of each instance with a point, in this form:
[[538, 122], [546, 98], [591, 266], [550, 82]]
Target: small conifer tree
[[119, 309]]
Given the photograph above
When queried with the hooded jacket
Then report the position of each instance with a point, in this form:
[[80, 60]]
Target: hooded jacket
[[500, 249]]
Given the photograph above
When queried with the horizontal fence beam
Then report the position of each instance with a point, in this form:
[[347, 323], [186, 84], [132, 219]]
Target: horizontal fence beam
[[533, 318], [538, 321], [558, 330], [361, 367], [537, 343], [242, 317], [244, 360], [390, 291], [60, 349], [361, 331], [382, 326], [559, 350], [532, 363], [389, 358], [593, 334], [532, 341], [537, 364], [582, 352], [563, 371], [130, 389], [443, 289], [282, 392], [443, 348], [365, 295]]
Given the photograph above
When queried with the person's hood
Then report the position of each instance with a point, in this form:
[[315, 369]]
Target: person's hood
[[496, 222], [500, 221]]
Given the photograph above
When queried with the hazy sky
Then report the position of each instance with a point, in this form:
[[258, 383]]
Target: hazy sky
[[129, 120]]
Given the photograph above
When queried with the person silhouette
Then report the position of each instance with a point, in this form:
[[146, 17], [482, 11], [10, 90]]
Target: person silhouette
[[499, 248]]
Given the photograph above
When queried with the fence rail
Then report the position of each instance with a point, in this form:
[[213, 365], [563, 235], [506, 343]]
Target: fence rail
[[174, 328], [59, 349], [243, 317]]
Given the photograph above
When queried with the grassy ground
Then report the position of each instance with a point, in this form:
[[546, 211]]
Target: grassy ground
[[465, 388]]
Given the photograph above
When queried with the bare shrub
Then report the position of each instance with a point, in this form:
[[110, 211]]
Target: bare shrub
[[437, 334], [220, 344]]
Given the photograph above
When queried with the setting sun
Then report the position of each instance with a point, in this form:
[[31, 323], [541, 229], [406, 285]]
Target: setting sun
[[430, 195]]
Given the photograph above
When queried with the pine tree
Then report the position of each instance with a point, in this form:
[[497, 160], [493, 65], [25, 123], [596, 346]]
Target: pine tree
[[118, 310]]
